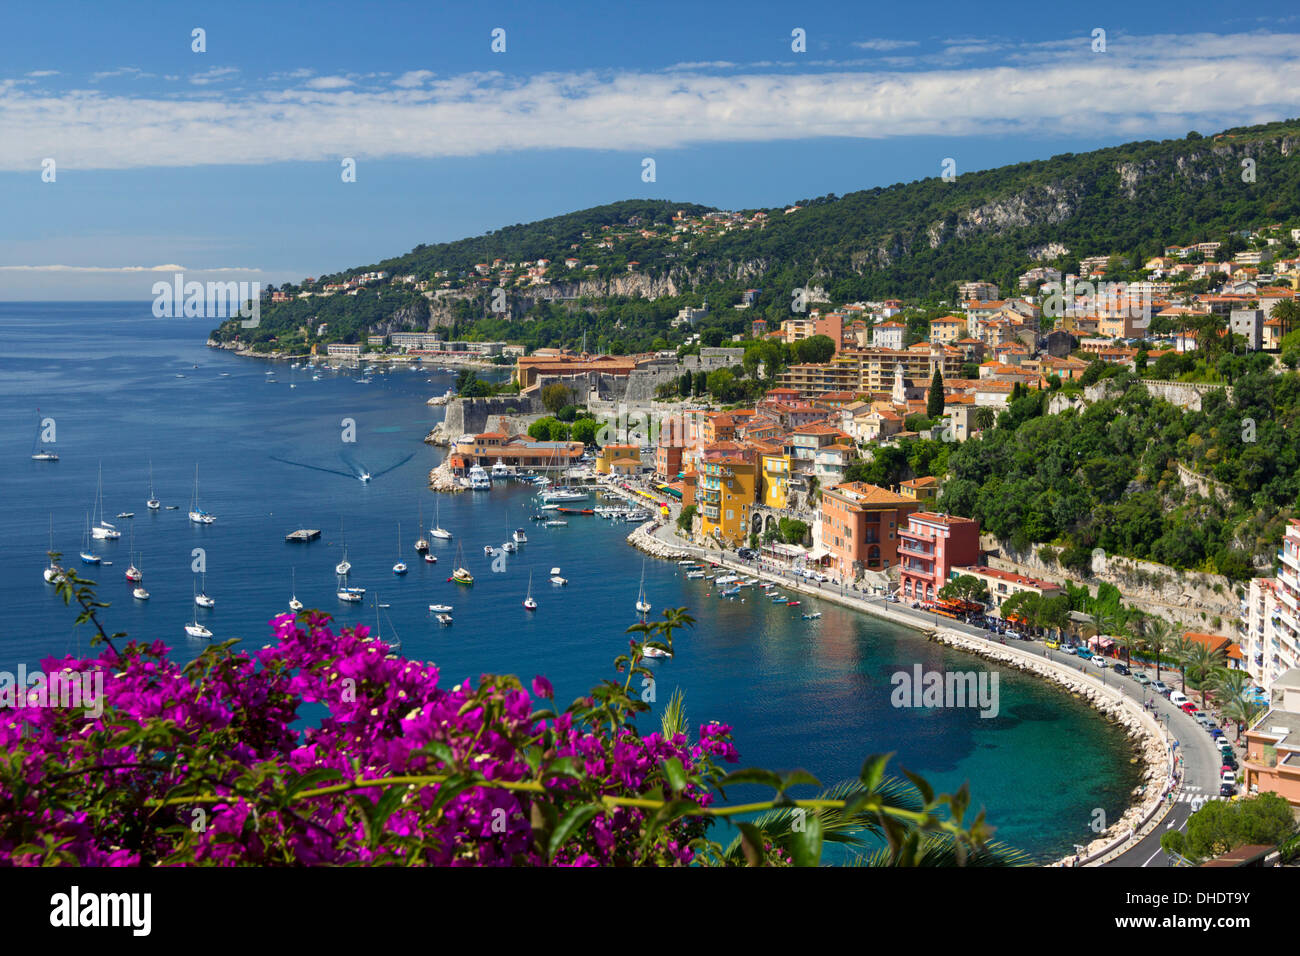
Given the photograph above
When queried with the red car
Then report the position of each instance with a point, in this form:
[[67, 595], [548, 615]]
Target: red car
[[1189, 708]]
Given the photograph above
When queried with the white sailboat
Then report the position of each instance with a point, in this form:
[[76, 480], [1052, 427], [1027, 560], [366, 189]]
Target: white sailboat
[[88, 556], [201, 598], [153, 504], [642, 605], [294, 604], [197, 514], [102, 529], [344, 566], [438, 531], [196, 629], [39, 451], [138, 592], [350, 595], [400, 567], [396, 643], [53, 572], [529, 603], [133, 574], [421, 542]]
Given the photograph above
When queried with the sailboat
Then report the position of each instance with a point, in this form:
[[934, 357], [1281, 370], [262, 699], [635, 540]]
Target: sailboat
[[138, 592], [52, 573], [461, 575], [201, 598], [197, 514], [400, 567], [348, 594], [102, 529], [529, 603], [88, 556], [421, 543], [294, 604], [343, 567], [396, 643], [438, 531], [133, 574], [642, 605], [196, 629], [153, 503], [39, 451]]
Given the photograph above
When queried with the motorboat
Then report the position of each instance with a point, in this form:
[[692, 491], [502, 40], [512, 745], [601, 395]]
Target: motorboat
[[489, 550], [556, 578], [443, 619], [478, 478], [813, 616], [500, 471], [557, 524], [655, 652], [519, 536], [440, 608], [139, 593], [430, 558], [509, 547]]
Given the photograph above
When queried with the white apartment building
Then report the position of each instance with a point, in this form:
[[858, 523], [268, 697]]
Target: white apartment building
[[1270, 643]]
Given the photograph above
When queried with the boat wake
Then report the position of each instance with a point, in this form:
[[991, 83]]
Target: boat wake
[[359, 472]]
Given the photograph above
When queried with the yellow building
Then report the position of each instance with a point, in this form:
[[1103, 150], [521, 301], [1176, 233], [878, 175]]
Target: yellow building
[[777, 470], [924, 490], [727, 492], [612, 453]]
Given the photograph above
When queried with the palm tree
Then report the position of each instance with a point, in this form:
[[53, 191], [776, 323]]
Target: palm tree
[[1242, 712], [1201, 661], [1180, 649], [983, 417], [1104, 620], [1231, 687], [1159, 635]]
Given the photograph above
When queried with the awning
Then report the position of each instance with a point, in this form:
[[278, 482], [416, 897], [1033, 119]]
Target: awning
[[818, 552], [1102, 642]]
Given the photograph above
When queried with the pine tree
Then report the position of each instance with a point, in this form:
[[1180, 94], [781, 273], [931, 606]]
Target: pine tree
[[934, 404]]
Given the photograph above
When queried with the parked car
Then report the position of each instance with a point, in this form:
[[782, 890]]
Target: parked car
[[1228, 776], [1054, 644], [1122, 669], [1142, 678], [1160, 687], [1202, 718], [1177, 698], [1188, 708], [747, 553], [1215, 732], [1225, 745], [1069, 648], [1227, 790], [1098, 660], [1229, 760], [1083, 652]]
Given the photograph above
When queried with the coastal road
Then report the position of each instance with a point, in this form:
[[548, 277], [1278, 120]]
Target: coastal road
[[1197, 772]]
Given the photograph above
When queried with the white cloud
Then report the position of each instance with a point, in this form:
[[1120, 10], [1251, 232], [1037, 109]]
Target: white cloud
[[413, 78], [214, 75], [1142, 87], [131, 71], [884, 45], [40, 73], [328, 83]]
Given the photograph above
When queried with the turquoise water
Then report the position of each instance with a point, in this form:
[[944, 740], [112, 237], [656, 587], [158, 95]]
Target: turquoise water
[[799, 694]]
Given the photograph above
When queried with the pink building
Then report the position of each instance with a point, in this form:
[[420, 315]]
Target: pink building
[[931, 546]]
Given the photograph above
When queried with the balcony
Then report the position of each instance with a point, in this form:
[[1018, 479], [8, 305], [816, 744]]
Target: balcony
[[908, 547]]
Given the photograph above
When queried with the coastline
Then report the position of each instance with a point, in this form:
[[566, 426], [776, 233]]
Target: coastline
[[1144, 735], [370, 357]]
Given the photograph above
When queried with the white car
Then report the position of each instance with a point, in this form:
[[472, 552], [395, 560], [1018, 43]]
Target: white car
[[1228, 776], [1099, 660], [1177, 698]]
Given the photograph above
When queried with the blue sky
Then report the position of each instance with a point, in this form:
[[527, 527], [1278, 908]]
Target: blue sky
[[227, 162]]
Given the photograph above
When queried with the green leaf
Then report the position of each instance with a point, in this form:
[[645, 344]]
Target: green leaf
[[676, 774], [921, 784], [753, 775], [806, 844], [311, 778], [573, 821], [873, 770], [796, 777], [751, 843]]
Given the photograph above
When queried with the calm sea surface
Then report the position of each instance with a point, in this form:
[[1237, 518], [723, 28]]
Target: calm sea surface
[[124, 391]]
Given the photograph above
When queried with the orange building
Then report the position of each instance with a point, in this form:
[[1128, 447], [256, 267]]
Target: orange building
[[1272, 761], [860, 525]]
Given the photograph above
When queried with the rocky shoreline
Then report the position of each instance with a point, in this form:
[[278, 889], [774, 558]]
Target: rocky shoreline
[[1149, 748], [442, 480]]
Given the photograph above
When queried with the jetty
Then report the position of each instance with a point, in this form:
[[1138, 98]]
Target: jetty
[[302, 535]]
